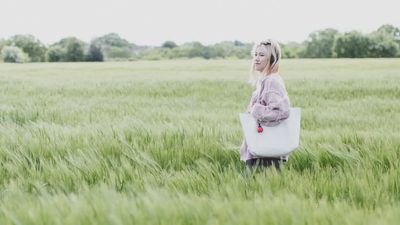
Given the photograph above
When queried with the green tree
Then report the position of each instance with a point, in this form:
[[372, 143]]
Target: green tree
[[31, 46], [388, 29], [383, 42], [75, 50], [112, 39], [69, 49], [352, 45], [56, 53], [113, 46], [118, 53], [226, 49], [14, 54], [195, 49], [291, 50], [95, 54], [169, 44], [238, 43], [229, 49], [320, 44], [153, 54]]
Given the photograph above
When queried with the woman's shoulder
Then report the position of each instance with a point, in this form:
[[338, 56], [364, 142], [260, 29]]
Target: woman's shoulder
[[274, 80]]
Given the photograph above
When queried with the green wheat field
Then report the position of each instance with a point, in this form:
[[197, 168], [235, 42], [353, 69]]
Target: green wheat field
[[157, 142]]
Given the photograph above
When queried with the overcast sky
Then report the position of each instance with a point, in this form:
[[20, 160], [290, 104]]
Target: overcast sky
[[151, 22]]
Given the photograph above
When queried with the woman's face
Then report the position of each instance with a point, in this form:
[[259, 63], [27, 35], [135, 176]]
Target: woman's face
[[260, 58]]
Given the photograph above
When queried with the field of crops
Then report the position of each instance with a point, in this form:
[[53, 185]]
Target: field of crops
[[157, 142]]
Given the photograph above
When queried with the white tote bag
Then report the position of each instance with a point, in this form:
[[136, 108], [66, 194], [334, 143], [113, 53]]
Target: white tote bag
[[274, 141]]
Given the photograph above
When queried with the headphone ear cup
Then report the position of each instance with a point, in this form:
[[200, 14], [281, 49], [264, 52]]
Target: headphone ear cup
[[277, 55], [272, 60]]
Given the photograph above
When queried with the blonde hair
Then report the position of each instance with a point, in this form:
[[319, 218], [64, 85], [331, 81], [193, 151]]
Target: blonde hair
[[273, 53]]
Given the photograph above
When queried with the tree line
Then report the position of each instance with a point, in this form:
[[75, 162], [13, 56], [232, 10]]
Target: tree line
[[327, 43]]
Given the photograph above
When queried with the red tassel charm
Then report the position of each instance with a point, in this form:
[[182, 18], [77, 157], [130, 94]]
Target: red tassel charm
[[259, 128]]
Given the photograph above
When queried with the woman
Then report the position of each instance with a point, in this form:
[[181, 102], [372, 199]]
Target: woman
[[270, 102]]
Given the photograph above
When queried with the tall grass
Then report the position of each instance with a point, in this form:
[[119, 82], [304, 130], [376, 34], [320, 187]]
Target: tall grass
[[157, 143]]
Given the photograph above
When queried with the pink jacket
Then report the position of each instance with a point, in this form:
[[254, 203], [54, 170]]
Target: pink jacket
[[270, 104]]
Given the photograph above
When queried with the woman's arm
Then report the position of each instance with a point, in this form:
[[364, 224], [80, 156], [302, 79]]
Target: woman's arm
[[275, 109], [274, 104]]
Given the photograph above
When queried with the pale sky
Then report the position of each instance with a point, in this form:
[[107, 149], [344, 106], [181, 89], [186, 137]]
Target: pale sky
[[151, 22]]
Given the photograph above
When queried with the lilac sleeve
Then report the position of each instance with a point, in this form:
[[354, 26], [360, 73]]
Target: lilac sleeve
[[273, 105]]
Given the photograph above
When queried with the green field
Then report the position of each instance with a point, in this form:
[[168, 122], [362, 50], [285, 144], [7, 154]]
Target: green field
[[157, 142]]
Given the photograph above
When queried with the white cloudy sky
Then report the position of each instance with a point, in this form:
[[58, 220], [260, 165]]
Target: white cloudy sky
[[151, 22]]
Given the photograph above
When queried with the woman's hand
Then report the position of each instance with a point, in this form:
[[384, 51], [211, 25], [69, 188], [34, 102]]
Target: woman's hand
[[257, 110]]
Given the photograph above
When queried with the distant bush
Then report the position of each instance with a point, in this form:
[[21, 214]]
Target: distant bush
[[30, 45], [117, 52], [112, 39], [56, 53], [75, 50], [383, 42], [352, 45], [326, 43], [95, 54], [169, 44], [153, 54], [69, 49], [292, 50], [319, 44], [14, 54], [114, 47]]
